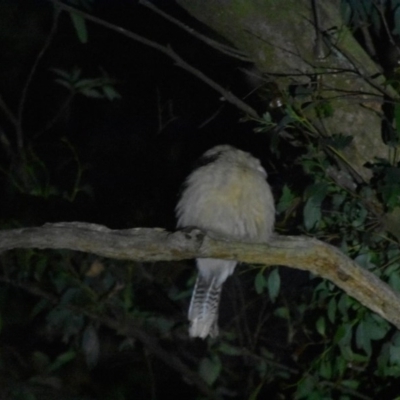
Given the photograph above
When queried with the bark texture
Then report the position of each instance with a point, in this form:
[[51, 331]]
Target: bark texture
[[280, 38], [145, 244]]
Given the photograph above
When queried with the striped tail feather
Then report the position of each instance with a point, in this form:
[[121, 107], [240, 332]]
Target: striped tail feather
[[203, 310]]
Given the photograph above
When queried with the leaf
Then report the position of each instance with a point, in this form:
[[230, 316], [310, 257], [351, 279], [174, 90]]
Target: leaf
[[80, 27], [286, 199], [260, 282], [228, 349], [87, 83], [392, 174], [61, 72], [343, 334], [311, 214], [312, 209], [339, 141], [75, 74], [394, 280], [325, 369], [320, 325], [376, 326], [332, 307], [394, 354], [110, 93], [363, 340], [363, 260], [209, 369], [92, 93], [64, 83], [305, 387], [69, 296], [274, 284], [62, 360], [91, 346], [282, 312], [324, 109], [350, 383]]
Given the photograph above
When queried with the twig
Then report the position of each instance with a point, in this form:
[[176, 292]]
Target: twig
[[384, 22], [167, 50], [57, 115], [228, 50], [46, 44], [10, 115]]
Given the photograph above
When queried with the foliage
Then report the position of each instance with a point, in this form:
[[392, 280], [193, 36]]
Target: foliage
[[77, 326]]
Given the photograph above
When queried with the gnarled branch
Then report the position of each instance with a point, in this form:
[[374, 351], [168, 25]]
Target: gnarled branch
[[146, 244]]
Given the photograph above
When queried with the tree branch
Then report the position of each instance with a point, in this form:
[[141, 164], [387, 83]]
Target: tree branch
[[146, 244], [223, 48], [167, 50]]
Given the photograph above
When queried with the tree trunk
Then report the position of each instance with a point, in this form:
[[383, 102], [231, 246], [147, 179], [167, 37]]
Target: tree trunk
[[281, 39]]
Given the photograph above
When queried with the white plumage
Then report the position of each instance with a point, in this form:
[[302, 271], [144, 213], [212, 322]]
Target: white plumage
[[229, 196]]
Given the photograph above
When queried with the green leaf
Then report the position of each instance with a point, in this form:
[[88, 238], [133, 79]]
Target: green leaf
[[61, 72], [339, 141], [260, 282], [80, 27], [282, 312], [286, 199], [325, 369], [92, 93], [350, 383], [376, 326], [69, 296], [110, 93], [363, 340], [274, 284], [209, 369], [332, 307], [324, 109], [394, 280], [87, 83], [363, 260], [394, 354], [312, 209], [305, 387], [228, 349], [64, 83], [320, 325], [62, 360]]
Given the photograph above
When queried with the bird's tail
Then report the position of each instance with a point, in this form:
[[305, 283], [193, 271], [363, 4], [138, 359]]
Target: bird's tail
[[203, 310]]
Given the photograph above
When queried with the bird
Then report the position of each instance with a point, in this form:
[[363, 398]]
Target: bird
[[227, 196]]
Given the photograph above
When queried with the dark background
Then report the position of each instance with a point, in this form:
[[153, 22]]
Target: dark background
[[136, 150]]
